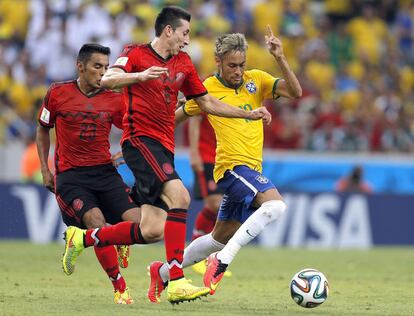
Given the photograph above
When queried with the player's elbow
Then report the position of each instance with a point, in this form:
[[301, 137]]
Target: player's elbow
[[296, 93], [204, 103]]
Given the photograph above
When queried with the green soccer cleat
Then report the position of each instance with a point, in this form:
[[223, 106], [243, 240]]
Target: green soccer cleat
[[182, 291], [123, 255], [73, 237], [123, 298], [200, 267]]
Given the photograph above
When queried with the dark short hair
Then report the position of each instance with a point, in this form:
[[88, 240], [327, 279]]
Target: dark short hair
[[88, 49], [170, 15]]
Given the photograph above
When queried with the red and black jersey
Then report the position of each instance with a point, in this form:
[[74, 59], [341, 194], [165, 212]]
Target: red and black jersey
[[150, 105], [82, 124], [207, 141]]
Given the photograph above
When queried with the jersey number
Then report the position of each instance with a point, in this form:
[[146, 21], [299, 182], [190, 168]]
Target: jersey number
[[246, 107], [88, 131]]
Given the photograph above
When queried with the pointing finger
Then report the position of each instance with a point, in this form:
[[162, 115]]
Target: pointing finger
[[269, 31]]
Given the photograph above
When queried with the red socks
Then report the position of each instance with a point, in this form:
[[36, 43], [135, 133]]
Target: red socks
[[174, 238], [128, 233], [124, 233], [204, 223], [108, 258]]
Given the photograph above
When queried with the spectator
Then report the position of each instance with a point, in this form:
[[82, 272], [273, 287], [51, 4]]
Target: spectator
[[30, 168], [354, 182]]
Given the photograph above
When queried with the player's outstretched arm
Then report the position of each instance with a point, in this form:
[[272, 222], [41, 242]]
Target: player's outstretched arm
[[288, 87], [211, 105], [43, 147], [116, 78]]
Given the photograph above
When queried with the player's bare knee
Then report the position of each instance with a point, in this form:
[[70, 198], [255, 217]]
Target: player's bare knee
[[153, 234], [151, 237], [182, 200], [93, 219], [132, 215], [273, 209]]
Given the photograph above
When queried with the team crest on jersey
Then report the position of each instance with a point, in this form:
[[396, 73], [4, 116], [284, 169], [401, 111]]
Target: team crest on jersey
[[262, 179], [105, 117], [251, 87], [167, 168], [77, 204]]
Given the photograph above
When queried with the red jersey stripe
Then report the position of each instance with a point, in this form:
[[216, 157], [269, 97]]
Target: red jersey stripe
[[149, 158]]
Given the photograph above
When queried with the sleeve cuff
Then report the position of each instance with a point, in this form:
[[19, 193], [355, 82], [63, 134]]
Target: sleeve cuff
[[185, 112], [274, 89], [120, 67], [45, 125], [189, 97]]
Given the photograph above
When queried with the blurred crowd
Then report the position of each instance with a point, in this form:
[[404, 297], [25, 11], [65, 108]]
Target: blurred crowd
[[354, 59]]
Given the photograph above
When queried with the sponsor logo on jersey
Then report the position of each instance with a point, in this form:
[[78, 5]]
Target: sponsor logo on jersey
[[121, 61], [251, 87], [262, 179], [45, 116]]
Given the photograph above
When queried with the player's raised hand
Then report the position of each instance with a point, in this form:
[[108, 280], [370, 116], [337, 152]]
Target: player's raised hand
[[153, 72], [274, 44]]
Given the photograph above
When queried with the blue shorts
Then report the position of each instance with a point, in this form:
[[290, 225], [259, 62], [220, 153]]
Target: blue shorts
[[240, 187]]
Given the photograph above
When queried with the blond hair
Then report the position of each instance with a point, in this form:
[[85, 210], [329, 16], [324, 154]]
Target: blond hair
[[229, 43]]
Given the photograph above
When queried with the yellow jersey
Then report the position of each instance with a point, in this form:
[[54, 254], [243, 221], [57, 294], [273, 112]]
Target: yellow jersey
[[239, 141]]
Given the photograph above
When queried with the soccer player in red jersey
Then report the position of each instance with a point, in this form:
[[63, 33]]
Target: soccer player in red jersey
[[152, 75], [88, 189]]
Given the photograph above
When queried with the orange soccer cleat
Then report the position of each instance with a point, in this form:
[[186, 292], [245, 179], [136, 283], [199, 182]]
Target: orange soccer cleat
[[214, 273]]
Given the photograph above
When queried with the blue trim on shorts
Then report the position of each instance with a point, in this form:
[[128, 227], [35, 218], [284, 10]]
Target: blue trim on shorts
[[240, 187]]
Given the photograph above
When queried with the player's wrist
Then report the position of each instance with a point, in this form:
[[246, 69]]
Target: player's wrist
[[279, 57], [138, 76], [44, 170]]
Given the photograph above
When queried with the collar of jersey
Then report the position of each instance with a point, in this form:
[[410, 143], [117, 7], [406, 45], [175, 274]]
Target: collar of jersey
[[158, 55], [86, 95], [226, 85]]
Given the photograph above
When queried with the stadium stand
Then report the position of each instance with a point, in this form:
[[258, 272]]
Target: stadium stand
[[354, 60]]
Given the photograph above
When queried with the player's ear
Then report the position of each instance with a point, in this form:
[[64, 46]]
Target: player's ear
[[168, 30], [80, 66], [218, 62]]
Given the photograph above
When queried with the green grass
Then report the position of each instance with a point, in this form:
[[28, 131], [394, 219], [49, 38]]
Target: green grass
[[375, 282]]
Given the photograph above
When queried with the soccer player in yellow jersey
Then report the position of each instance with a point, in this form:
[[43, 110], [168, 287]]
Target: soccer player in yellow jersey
[[250, 200]]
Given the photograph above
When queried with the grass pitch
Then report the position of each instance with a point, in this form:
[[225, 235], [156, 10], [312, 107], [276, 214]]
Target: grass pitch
[[375, 282]]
